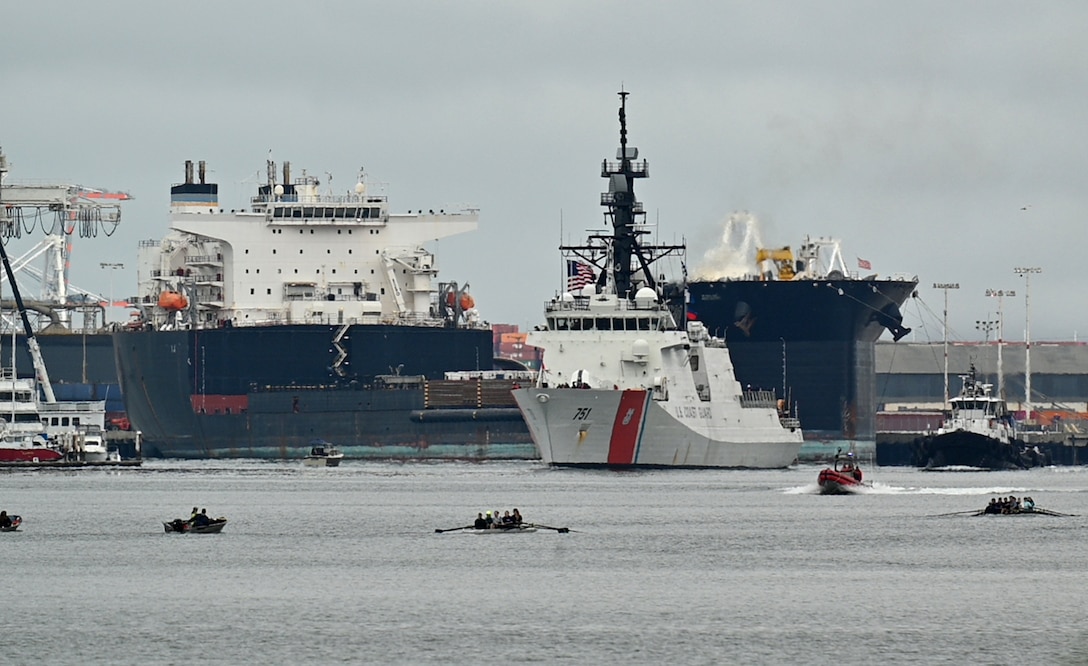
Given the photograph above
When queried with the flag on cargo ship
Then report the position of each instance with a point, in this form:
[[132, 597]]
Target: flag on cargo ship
[[864, 264], [579, 274]]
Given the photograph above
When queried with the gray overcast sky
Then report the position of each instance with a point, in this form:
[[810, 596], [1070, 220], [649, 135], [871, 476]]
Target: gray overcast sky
[[914, 131]]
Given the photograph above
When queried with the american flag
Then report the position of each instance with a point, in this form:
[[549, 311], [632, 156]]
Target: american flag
[[865, 264], [578, 275]]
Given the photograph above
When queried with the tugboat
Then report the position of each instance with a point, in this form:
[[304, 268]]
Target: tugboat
[[623, 385], [843, 478], [979, 433]]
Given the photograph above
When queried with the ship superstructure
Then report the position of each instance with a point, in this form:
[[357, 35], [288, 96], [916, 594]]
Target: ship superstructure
[[622, 384], [297, 256]]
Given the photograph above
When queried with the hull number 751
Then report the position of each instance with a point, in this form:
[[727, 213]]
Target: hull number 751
[[582, 414]]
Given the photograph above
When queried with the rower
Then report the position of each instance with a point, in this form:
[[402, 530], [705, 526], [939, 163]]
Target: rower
[[481, 522]]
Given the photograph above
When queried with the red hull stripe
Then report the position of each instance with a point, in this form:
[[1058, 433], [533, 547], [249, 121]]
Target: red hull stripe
[[627, 428], [219, 404]]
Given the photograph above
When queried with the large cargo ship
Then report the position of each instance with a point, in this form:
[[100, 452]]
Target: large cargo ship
[[310, 315], [807, 323]]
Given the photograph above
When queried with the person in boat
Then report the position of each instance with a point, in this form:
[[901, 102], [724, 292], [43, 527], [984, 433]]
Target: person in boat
[[201, 519], [489, 520], [481, 522], [5, 520], [517, 517], [496, 519], [992, 507], [193, 515], [1028, 504], [507, 520]]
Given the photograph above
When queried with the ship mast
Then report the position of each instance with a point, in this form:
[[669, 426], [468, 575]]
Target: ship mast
[[620, 257]]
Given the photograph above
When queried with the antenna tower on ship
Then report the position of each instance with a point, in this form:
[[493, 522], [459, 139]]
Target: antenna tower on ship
[[620, 259]]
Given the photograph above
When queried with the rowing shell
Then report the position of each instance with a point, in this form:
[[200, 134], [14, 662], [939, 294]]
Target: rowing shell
[[513, 530]]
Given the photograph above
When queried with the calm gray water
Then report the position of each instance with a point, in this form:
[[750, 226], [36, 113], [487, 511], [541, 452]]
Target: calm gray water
[[689, 567]]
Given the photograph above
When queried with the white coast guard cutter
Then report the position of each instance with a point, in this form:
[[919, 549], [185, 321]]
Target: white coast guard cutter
[[622, 385]]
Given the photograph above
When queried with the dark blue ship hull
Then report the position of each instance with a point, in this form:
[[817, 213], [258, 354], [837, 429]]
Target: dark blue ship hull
[[270, 391], [811, 340]]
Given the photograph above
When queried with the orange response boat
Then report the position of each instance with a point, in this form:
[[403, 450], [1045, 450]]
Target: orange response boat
[[842, 479]]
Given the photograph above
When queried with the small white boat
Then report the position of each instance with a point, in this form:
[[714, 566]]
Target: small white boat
[[323, 455]]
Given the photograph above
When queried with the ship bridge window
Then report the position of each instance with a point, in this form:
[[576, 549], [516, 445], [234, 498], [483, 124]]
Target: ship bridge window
[[364, 213], [643, 324], [375, 212], [296, 212], [604, 324]]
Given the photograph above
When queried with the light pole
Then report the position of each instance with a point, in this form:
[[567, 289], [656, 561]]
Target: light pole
[[113, 268], [1000, 294], [1026, 274], [946, 286], [986, 326]]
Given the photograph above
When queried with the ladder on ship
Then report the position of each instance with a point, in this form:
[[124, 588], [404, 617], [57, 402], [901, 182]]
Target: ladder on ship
[[341, 352]]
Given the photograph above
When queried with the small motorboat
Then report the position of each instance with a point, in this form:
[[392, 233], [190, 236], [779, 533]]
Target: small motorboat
[[323, 454], [16, 521], [843, 478], [179, 526]]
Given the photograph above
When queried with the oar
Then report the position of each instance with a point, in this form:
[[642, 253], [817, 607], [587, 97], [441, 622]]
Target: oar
[[958, 513], [1048, 512], [561, 530], [454, 529]]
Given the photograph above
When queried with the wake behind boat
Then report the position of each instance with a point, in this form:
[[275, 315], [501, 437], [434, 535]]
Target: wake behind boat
[[623, 384]]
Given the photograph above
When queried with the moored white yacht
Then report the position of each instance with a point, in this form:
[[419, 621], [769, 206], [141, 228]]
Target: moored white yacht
[[622, 384]]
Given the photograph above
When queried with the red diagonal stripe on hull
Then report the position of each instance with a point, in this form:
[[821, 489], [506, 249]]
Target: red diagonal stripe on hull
[[626, 428]]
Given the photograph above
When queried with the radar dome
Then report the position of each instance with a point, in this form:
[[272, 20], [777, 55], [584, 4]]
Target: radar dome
[[645, 297], [360, 187], [278, 190]]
